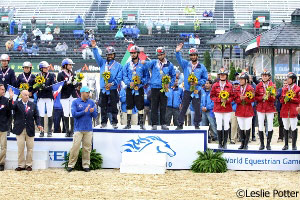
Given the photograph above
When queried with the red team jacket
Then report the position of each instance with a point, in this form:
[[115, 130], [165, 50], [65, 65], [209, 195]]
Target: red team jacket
[[264, 106], [214, 96], [244, 109], [288, 110]]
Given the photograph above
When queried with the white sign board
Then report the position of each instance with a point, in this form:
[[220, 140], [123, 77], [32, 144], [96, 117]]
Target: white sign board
[[58, 147], [262, 160], [180, 146]]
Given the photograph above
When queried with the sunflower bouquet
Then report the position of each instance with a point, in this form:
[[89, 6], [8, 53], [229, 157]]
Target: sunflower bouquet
[[223, 95], [165, 80], [249, 95], [192, 79], [79, 77], [39, 81], [289, 96], [24, 86], [136, 80], [270, 92], [106, 76]]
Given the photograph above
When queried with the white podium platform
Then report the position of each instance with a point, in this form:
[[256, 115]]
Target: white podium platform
[[179, 146], [55, 147], [254, 159], [143, 163]]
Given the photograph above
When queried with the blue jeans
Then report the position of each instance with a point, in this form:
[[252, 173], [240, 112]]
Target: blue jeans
[[207, 119]]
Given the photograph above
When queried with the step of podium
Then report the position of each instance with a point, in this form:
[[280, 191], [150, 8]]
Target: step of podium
[[40, 159], [143, 163]]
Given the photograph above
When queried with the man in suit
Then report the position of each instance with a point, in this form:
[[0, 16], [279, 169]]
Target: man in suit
[[26, 114]]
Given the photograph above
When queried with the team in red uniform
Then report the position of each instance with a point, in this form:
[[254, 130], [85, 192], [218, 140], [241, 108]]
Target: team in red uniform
[[288, 111], [265, 108], [222, 112], [244, 96]]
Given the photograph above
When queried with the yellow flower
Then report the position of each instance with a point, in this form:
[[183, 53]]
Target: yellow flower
[[196, 91], [289, 96], [223, 95], [249, 94]]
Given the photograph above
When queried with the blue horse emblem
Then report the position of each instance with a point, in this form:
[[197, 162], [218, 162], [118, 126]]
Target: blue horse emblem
[[149, 144]]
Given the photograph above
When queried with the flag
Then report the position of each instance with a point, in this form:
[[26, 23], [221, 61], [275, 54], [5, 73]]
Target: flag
[[15, 90], [127, 58], [57, 88], [253, 46]]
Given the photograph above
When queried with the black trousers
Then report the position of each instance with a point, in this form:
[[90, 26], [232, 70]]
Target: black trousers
[[172, 112], [109, 104], [187, 99], [158, 100], [134, 100], [280, 127]]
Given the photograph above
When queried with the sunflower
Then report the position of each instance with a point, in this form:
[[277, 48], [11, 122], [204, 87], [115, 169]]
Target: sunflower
[[165, 80], [40, 80], [196, 91], [24, 86], [192, 79], [106, 76], [250, 95], [223, 95], [289, 96], [270, 92], [79, 77]]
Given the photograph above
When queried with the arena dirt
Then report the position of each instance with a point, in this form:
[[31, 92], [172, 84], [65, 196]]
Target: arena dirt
[[110, 184], [175, 184]]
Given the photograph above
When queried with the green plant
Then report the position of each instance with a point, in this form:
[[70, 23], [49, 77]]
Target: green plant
[[275, 121], [95, 160], [232, 72], [279, 83], [207, 61], [209, 162], [239, 70]]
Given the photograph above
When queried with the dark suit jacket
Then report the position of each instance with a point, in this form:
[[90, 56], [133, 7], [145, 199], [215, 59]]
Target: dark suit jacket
[[23, 119]]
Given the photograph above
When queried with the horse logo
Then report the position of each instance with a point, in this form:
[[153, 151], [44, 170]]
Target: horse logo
[[149, 144]]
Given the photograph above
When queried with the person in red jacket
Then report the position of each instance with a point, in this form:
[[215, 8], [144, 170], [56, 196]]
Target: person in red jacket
[[244, 96], [265, 107], [222, 107], [288, 111]]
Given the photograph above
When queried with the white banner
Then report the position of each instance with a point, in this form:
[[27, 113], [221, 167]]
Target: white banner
[[262, 160], [180, 146], [58, 147]]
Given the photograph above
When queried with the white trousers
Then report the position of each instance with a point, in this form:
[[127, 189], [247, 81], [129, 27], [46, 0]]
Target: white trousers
[[42, 102], [245, 123], [66, 105], [290, 122], [261, 121], [222, 119]]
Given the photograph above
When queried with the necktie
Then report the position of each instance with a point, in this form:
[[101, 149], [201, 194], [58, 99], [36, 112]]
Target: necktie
[[25, 106]]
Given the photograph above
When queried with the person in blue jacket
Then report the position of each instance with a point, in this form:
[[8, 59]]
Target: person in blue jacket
[[135, 70], [108, 90], [175, 96], [160, 68], [199, 70], [112, 23], [83, 110], [207, 106], [12, 27], [147, 103]]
